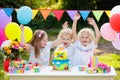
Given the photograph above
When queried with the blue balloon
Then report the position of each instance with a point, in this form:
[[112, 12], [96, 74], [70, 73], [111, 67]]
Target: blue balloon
[[24, 15]]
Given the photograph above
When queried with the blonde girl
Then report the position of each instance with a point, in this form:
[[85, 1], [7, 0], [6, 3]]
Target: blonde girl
[[85, 43], [66, 38]]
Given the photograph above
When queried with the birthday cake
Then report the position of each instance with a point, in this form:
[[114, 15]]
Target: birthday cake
[[60, 60]]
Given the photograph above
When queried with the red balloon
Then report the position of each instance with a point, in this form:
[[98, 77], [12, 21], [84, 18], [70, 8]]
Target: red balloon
[[115, 22]]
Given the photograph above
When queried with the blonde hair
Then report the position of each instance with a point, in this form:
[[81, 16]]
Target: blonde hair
[[89, 31], [36, 39], [67, 31]]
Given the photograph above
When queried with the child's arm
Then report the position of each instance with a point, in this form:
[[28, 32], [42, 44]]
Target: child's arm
[[76, 18], [56, 42], [22, 41], [92, 22]]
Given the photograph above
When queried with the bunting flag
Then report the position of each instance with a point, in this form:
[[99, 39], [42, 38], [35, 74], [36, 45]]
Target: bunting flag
[[97, 14], [58, 14], [107, 13], [84, 14], [8, 11], [71, 13], [45, 13], [34, 13]]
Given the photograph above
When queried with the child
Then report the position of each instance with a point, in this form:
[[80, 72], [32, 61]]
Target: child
[[39, 47], [65, 36], [85, 42]]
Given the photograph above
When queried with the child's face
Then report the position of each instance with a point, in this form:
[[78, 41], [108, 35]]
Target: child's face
[[66, 40], [44, 41], [84, 39]]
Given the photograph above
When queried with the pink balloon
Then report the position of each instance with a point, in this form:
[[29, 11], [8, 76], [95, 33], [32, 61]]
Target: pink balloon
[[107, 32], [116, 42], [2, 36], [4, 19]]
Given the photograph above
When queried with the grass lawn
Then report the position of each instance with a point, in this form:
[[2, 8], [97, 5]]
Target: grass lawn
[[110, 59]]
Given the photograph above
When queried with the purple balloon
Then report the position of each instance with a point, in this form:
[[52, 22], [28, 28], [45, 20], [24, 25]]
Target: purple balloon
[[116, 42], [4, 19], [2, 36]]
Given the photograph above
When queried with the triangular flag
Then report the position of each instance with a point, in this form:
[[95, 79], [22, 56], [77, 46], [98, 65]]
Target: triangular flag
[[84, 14], [58, 14], [16, 10], [97, 14], [8, 11], [107, 13], [45, 13], [71, 13], [34, 13]]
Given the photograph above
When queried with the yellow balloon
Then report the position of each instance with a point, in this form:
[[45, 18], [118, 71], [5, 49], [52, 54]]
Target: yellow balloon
[[28, 33], [12, 31]]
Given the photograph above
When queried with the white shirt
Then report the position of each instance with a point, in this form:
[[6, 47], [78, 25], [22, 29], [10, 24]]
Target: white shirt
[[69, 49], [83, 53], [44, 57]]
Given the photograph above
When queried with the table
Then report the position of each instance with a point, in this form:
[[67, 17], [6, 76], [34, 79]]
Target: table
[[73, 74]]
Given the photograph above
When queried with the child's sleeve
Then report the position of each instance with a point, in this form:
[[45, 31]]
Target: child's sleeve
[[94, 46], [49, 45]]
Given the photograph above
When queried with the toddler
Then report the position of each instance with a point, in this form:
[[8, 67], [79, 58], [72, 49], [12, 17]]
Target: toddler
[[85, 43]]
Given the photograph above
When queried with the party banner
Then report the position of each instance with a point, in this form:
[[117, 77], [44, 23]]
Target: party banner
[[84, 14], [71, 13], [107, 13], [58, 14], [97, 14], [45, 13], [34, 13], [8, 11]]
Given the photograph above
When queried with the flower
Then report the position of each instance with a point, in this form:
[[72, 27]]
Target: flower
[[14, 50], [102, 65]]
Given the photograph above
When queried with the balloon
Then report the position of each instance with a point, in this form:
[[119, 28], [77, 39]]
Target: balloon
[[5, 43], [12, 31], [28, 33], [115, 10], [2, 36], [116, 42], [24, 15], [107, 32], [4, 19], [115, 22]]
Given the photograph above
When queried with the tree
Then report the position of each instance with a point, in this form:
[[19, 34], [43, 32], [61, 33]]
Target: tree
[[18, 3]]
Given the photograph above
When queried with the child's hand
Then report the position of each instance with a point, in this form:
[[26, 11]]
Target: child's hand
[[91, 21], [77, 16], [22, 28], [65, 25]]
